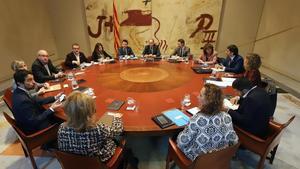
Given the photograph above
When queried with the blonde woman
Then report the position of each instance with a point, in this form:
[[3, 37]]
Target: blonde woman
[[17, 65], [81, 134], [210, 129]]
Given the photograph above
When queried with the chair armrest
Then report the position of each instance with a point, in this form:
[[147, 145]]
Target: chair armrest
[[114, 161], [43, 136], [180, 155], [249, 135]]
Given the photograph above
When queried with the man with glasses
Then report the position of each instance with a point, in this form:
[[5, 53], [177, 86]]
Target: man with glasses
[[75, 58], [43, 69]]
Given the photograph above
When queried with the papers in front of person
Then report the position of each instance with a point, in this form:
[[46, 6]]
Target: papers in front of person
[[85, 64], [228, 104], [224, 83], [217, 83], [218, 70], [193, 110], [53, 88], [108, 60], [228, 80], [177, 58]]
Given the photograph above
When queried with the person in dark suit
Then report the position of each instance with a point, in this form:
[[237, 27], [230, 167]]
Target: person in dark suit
[[125, 50], [252, 63], [27, 110], [234, 62], [43, 69], [75, 58], [181, 50], [99, 52], [151, 50], [254, 109]]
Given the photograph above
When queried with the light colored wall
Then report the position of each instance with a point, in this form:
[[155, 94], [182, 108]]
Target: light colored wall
[[279, 37], [24, 29], [238, 25], [68, 23]]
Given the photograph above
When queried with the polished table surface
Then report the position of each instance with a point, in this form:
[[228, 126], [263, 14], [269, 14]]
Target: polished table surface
[[156, 86]]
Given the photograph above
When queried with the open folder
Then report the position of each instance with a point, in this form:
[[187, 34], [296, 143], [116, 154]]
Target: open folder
[[176, 116]]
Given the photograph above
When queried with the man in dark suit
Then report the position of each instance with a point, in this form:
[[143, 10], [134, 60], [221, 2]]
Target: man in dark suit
[[125, 50], [43, 69], [27, 110], [75, 58], [254, 109], [234, 62], [151, 50], [181, 50]]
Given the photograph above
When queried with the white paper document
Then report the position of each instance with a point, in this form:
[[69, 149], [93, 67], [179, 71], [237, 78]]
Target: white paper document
[[228, 104], [193, 110], [217, 83], [228, 81]]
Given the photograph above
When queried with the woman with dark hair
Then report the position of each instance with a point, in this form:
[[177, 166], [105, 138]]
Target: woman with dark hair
[[209, 55], [99, 52], [252, 63], [210, 129]]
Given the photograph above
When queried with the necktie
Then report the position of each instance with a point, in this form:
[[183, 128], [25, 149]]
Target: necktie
[[181, 52], [151, 49], [47, 68]]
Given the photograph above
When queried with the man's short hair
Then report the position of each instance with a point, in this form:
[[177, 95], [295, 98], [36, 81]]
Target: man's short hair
[[125, 40], [241, 84], [181, 41], [234, 49], [21, 75], [75, 44]]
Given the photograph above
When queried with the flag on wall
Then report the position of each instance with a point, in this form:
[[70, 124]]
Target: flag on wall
[[116, 28]]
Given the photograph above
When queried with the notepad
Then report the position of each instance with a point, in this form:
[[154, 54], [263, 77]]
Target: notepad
[[177, 117]]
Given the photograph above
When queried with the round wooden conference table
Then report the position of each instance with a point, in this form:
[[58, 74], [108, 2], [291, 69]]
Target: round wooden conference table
[[156, 86]]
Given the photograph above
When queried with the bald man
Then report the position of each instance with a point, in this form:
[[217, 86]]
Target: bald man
[[43, 69], [151, 50]]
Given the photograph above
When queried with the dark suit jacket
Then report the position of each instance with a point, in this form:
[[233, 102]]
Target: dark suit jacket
[[40, 73], [70, 57], [182, 52], [28, 111], [125, 51], [234, 66], [253, 113], [96, 56], [155, 50]]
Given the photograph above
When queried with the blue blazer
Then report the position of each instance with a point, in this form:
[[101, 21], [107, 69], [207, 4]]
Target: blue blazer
[[125, 51], [28, 111], [234, 66]]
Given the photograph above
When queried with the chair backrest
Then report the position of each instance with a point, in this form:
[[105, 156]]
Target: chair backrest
[[8, 98], [276, 131], [73, 161], [13, 123], [216, 160]]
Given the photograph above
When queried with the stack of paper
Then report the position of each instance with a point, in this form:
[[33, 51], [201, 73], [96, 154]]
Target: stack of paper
[[228, 81], [217, 83], [228, 104]]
